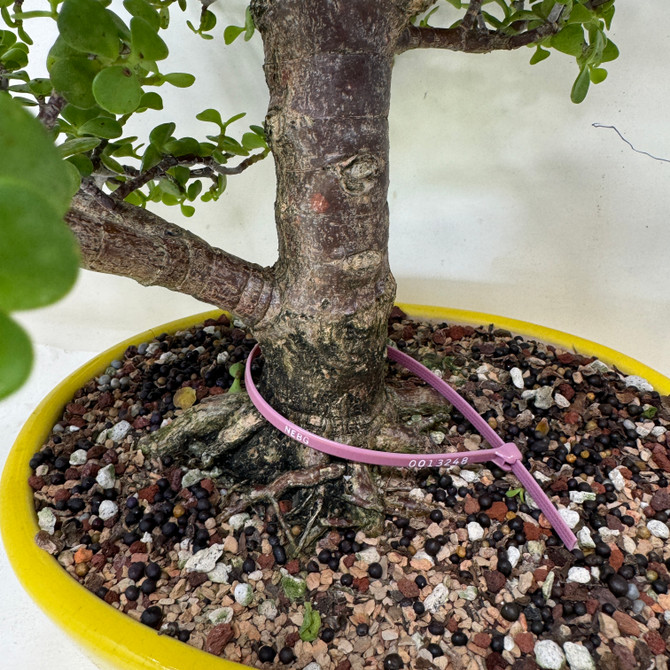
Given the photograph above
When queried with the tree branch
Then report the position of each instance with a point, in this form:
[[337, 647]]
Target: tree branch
[[471, 40], [122, 239], [168, 162]]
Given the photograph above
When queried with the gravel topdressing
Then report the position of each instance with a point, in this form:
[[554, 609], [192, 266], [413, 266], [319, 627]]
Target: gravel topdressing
[[467, 574]]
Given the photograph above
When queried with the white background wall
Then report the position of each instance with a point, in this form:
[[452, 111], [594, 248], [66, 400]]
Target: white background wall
[[503, 199]]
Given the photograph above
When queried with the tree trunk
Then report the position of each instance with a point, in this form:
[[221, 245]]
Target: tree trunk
[[328, 68]]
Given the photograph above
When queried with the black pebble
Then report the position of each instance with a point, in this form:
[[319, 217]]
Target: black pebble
[[435, 650], [266, 654], [459, 639], [375, 570], [280, 558], [286, 655], [393, 662], [618, 585], [510, 611], [152, 616]]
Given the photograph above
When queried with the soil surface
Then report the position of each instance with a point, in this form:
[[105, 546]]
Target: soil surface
[[467, 574]]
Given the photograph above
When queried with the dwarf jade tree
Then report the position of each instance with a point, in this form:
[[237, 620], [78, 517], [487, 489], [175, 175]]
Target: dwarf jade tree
[[320, 313]]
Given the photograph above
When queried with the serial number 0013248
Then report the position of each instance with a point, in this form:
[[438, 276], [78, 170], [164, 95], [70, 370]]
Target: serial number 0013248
[[436, 462]]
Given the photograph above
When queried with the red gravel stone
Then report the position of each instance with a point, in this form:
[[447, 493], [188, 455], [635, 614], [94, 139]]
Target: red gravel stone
[[141, 422], [497, 511], [592, 606], [532, 531], [408, 588], [452, 625], [137, 548], [349, 560], [285, 506], [540, 574], [660, 501], [62, 494], [344, 665], [76, 408], [525, 642], [482, 640], [627, 625], [105, 400], [495, 580], [72, 474], [625, 655], [293, 567], [439, 337], [208, 485], [266, 561], [660, 456], [89, 469], [148, 493], [566, 391], [35, 482], [457, 332], [195, 579], [559, 485], [362, 584], [471, 505], [616, 557], [111, 597], [655, 642], [494, 661], [218, 638], [572, 418]]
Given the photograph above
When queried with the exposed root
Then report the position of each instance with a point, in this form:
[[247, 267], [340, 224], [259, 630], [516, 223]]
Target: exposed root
[[289, 480]]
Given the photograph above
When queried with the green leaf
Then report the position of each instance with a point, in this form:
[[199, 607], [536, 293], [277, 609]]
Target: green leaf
[[160, 135], [103, 126], [610, 52], [151, 100], [252, 141], [210, 115], [580, 14], [569, 40], [539, 55], [14, 59], [82, 163], [597, 74], [40, 87], [38, 253], [117, 90], [184, 146], [16, 356], [73, 79], [110, 163], [581, 86], [143, 10], [187, 210], [7, 40], [28, 150], [249, 26], [230, 145], [151, 157], [179, 79], [78, 145], [87, 26], [649, 412], [311, 622], [231, 33], [146, 41]]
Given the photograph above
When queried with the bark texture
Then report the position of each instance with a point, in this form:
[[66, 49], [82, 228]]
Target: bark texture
[[328, 68]]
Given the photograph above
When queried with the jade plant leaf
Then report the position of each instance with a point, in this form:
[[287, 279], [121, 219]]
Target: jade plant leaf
[[85, 25], [311, 622], [38, 253], [146, 41], [117, 89], [73, 78], [16, 356]]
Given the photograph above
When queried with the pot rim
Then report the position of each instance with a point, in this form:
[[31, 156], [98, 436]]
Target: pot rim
[[108, 635]]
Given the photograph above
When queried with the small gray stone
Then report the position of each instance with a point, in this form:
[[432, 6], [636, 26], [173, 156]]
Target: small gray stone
[[633, 592], [244, 594], [108, 510], [517, 377], [435, 601], [221, 615], [549, 655], [312, 666], [579, 657], [78, 457], [268, 609], [191, 477], [638, 606], [475, 531], [368, 555], [470, 593], [238, 520], [107, 476], [617, 479], [46, 520], [561, 401], [585, 539], [470, 476], [548, 585], [119, 431], [640, 383], [658, 529], [220, 573], [569, 516], [437, 436], [543, 399], [578, 497], [205, 559], [579, 575], [513, 556]]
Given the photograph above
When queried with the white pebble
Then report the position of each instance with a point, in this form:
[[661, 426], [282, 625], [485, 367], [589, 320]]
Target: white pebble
[[192, 477], [470, 476], [108, 509], [585, 539], [205, 559], [657, 431], [437, 436], [221, 615], [436, 600], [312, 666], [417, 494], [368, 555], [543, 399], [607, 535], [78, 457], [219, 575], [243, 594], [517, 377], [238, 520], [629, 544], [549, 655], [119, 431], [513, 556], [658, 529], [569, 516], [475, 531], [268, 610], [578, 497], [470, 593], [640, 383], [579, 575], [579, 657], [107, 476], [508, 643], [46, 520], [561, 401], [617, 479]]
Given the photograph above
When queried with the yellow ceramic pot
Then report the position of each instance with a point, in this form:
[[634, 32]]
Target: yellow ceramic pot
[[111, 639]]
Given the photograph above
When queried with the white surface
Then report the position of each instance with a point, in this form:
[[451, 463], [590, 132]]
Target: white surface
[[503, 199]]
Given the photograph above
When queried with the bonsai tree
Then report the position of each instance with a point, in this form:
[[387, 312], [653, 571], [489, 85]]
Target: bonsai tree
[[320, 313]]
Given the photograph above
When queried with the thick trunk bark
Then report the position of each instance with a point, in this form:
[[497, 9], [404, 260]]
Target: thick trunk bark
[[328, 67]]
